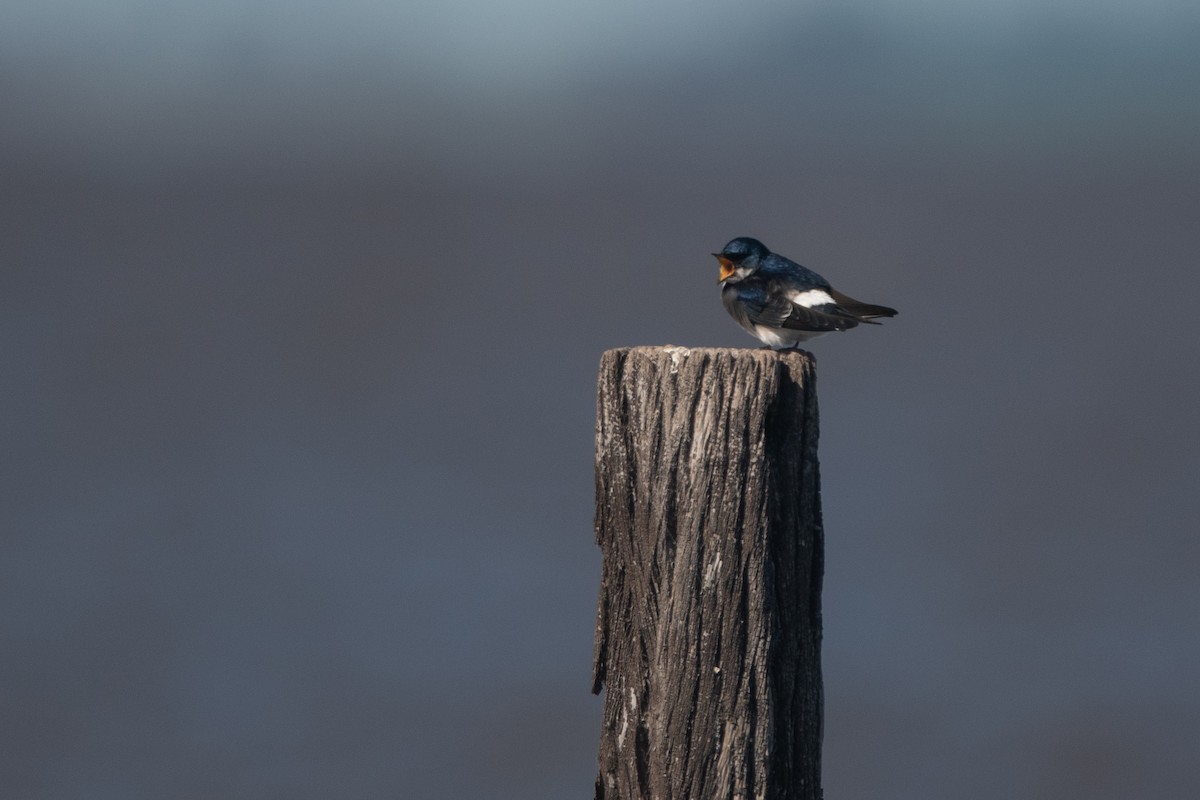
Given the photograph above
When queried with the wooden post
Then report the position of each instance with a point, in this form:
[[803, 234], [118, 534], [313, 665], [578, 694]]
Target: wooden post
[[708, 630]]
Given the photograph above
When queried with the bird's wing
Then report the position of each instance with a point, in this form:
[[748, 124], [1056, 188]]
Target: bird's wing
[[789, 279], [810, 319], [774, 309]]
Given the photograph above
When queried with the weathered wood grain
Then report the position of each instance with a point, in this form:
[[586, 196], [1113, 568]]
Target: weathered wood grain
[[708, 629]]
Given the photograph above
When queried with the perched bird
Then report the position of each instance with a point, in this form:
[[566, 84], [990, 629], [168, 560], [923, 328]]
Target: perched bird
[[781, 302]]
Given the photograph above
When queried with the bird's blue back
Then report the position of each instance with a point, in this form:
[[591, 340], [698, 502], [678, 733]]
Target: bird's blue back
[[778, 267]]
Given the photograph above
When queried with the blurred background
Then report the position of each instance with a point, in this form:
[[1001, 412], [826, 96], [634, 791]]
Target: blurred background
[[301, 307]]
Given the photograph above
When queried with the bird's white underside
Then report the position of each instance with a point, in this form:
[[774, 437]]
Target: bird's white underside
[[783, 338]]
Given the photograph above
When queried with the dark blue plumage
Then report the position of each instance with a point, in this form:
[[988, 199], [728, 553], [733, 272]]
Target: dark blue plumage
[[781, 302]]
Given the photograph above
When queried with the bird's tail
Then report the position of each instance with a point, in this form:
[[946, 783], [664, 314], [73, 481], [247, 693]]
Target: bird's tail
[[863, 311]]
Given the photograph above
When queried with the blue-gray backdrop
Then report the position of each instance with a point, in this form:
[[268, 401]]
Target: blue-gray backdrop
[[300, 311]]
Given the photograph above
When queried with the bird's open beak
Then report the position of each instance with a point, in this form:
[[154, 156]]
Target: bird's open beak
[[726, 267]]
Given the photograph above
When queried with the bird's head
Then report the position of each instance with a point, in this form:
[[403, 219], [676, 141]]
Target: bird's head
[[740, 258]]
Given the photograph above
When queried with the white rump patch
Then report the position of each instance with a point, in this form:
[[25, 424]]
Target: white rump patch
[[813, 297]]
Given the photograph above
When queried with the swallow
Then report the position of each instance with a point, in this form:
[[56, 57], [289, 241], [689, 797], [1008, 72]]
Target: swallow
[[782, 303]]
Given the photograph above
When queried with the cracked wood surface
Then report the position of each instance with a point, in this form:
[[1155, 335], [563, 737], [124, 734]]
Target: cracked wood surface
[[708, 626]]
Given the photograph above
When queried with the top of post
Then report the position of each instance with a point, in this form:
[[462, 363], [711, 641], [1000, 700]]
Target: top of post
[[674, 356]]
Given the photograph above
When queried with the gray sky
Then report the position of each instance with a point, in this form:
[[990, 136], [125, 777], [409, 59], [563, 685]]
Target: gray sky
[[302, 307]]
